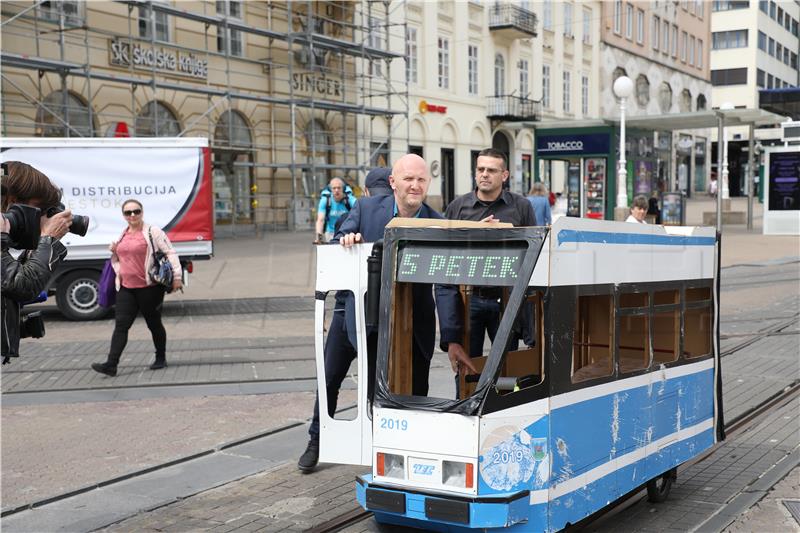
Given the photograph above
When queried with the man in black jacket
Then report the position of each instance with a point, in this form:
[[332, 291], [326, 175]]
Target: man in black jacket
[[24, 278], [487, 202]]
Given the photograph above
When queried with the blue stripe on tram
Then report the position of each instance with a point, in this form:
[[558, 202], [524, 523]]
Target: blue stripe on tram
[[604, 237]]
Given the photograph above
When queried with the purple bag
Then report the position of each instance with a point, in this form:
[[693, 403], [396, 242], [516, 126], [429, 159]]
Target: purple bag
[[107, 288]]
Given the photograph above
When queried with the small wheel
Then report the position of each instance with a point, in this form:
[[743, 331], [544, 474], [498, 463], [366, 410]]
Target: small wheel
[[76, 295], [658, 488]]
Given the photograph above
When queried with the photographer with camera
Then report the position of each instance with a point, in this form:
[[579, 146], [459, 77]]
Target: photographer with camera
[[32, 220]]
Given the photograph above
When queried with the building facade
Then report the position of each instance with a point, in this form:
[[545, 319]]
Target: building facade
[[754, 51], [479, 75], [288, 94], [663, 47]]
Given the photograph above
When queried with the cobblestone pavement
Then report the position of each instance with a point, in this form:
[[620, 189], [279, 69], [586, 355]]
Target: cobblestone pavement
[[279, 500], [771, 514]]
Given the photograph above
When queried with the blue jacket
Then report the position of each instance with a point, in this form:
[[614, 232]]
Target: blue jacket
[[369, 218]]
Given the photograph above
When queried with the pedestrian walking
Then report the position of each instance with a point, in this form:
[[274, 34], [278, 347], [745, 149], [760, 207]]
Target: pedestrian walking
[[336, 200], [540, 202], [132, 257]]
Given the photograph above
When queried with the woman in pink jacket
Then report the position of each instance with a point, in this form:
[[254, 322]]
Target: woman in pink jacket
[[132, 257]]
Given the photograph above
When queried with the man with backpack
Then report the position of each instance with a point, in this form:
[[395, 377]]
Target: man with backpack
[[335, 200]]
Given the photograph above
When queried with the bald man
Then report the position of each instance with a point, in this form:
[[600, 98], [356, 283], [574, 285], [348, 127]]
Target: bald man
[[334, 203], [366, 222]]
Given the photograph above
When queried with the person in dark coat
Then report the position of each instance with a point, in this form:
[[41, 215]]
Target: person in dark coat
[[366, 222], [487, 202]]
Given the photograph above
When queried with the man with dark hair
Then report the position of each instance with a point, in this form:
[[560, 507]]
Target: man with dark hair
[[24, 278], [488, 202]]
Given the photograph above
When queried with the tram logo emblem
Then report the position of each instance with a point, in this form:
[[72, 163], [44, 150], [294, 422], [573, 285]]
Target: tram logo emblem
[[424, 470], [539, 447]]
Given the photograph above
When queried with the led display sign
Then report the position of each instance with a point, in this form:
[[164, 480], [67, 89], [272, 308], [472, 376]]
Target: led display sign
[[460, 264]]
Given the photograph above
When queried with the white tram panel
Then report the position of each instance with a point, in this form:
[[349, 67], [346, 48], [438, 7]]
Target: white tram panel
[[591, 252], [447, 437], [339, 268]]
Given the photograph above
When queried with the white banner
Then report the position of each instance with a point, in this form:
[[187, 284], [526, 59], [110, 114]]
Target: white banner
[[97, 180]]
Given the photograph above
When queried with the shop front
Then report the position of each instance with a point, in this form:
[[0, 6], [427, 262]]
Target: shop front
[[581, 163], [578, 163]]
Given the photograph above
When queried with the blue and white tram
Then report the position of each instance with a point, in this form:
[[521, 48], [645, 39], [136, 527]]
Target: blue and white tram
[[613, 384]]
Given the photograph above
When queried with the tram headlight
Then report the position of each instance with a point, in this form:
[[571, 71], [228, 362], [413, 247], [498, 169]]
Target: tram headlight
[[457, 474], [390, 465]]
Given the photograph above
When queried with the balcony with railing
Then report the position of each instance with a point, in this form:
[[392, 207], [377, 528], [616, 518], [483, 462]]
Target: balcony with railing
[[513, 108], [512, 21]]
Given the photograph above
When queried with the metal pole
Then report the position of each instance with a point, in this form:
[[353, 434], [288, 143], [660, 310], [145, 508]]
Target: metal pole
[[720, 136], [751, 146], [622, 186]]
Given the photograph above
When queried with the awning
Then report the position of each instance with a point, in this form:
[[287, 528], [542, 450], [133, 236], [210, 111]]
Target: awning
[[674, 121]]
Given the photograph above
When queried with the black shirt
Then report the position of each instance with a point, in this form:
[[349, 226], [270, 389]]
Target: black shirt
[[509, 207]]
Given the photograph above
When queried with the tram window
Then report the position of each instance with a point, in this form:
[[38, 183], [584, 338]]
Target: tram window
[[403, 365], [665, 297], [591, 341], [697, 332], [666, 336], [666, 326], [523, 352], [698, 294], [633, 299], [697, 322], [342, 363], [634, 343], [524, 364]]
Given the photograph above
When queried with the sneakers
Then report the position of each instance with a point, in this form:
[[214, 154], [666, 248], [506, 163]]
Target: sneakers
[[158, 364], [105, 368], [310, 457]]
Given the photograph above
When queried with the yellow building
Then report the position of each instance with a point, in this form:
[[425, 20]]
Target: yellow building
[[290, 94]]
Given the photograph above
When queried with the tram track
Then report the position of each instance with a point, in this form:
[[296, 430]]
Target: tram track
[[354, 516]]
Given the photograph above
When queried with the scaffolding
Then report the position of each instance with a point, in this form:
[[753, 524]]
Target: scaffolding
[[290, 94]]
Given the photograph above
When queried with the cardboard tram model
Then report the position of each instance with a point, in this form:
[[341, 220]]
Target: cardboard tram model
[[613, 384]]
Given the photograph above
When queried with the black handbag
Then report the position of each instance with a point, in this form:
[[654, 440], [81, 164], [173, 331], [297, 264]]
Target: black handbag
[[161, 269]]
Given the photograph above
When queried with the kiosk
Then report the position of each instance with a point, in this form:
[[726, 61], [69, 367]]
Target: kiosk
[[782, 190]]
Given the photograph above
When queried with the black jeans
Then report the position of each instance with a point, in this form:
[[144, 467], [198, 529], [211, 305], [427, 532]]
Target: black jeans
[[148, 300]]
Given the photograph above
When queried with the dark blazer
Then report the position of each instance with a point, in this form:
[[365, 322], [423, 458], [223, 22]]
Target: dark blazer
[[369, 218]]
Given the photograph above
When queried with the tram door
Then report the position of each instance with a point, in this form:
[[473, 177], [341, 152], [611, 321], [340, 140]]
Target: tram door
[[344, 438]]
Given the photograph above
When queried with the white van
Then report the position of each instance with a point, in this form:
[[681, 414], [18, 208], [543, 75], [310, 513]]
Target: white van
[[170, 176]]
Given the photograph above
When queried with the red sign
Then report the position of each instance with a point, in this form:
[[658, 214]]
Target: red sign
[[425, 107]]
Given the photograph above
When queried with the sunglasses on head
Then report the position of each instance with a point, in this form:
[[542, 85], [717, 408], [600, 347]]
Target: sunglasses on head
[[130, 212]]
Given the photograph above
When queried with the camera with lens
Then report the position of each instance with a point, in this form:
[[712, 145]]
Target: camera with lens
[[25, 229], [80, 223], [32, 325]]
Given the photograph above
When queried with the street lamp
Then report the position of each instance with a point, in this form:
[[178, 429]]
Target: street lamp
[[623, 87], [724, 190], [722, 163]]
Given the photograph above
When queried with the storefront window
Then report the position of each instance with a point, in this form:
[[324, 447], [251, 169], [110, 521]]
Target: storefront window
[[699, 164], [683, 163], [663, 158], [63, 115], [234, 191], [642, 157], [156, 120]]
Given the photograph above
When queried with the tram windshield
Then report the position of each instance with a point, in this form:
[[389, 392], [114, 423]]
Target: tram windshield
[[482, 303]]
